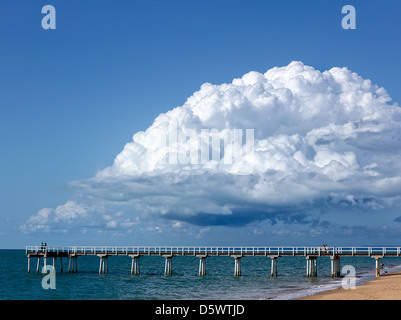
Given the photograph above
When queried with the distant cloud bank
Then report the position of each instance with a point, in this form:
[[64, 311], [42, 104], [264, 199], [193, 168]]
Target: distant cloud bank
[[320, 141]]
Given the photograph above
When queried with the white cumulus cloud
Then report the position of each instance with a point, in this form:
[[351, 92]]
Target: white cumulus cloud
[[269, 146]]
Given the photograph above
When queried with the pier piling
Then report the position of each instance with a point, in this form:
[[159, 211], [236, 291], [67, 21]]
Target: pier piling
[[202, 265], [103, 265], [38, 265], [273, 271], [135, 264], [72, 263], [377, 263], [311, 266], [335, 266], [237, 266], [168, 266]]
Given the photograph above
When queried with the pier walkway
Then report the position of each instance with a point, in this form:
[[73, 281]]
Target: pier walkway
[[168, 252]]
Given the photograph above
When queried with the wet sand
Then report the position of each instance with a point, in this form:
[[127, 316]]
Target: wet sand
[[386, 287]]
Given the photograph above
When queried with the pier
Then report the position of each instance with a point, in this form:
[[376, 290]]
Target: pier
[[311, 255]]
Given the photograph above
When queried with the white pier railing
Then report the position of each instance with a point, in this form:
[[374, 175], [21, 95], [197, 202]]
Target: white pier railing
[[244, 251]]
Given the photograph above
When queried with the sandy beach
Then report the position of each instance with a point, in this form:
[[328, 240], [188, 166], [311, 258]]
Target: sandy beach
[[386, 287]]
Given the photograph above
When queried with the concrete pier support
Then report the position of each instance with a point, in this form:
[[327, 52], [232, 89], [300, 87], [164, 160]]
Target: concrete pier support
[[73, 266], [335, 266], [168, 266], [377, 263], [273, 269], [29, 263], [72, 263], [38, 265], [135, 265], [237, 266], [202, 265], [311, 266], [103, 263]]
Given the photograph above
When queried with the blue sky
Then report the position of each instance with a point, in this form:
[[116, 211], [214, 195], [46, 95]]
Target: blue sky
[[71, 98]]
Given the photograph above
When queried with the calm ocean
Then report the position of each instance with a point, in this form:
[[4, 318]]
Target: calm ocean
[[184, 284]]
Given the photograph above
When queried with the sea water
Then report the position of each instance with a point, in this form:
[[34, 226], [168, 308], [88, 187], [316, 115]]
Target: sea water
[[185, 284]]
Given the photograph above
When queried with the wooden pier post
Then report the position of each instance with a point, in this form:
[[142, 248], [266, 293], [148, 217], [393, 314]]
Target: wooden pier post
[[61, 264]]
